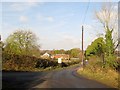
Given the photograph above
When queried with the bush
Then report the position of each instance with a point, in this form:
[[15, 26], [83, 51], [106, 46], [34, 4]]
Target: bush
[[24, 63], [94, 70], [13, 62], [44, 63], [18, 62]]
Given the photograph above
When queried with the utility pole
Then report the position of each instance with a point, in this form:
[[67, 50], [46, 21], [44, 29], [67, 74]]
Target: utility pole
[[82, 49]]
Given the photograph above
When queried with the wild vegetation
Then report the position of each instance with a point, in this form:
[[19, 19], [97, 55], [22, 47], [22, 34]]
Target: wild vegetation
[[103, 64], [13, 62], [95, 71], [21, 52], [22, 42]]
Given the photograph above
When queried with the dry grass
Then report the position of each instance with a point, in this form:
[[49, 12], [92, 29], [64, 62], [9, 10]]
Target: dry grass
[[109, 78], [106, 76]]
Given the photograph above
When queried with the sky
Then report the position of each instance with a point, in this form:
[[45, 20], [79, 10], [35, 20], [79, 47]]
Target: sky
[[56, 24]]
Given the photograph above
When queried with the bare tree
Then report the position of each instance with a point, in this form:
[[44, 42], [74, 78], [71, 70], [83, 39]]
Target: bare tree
[[108, 17]]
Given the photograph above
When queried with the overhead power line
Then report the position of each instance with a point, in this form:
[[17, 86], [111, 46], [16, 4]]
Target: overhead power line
[[86, 12], [83, 34]]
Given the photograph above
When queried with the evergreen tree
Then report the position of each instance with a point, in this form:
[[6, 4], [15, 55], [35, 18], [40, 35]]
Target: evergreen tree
[[109, 49]]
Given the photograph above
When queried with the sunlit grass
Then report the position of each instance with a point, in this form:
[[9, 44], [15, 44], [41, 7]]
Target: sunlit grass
[[109, 78], [106, 76]]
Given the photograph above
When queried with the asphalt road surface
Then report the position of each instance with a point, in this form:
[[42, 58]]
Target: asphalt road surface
[[66, 78]]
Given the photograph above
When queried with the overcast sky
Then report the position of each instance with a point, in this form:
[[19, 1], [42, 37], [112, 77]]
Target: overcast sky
[[57, 24]]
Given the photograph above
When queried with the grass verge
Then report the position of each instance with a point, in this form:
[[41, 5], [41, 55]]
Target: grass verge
[[108, 77]]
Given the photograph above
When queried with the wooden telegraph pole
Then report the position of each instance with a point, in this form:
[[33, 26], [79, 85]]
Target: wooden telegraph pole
[[0, 37], [82, 49]]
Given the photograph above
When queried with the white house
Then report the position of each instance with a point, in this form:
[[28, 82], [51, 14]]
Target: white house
[[45, 55]]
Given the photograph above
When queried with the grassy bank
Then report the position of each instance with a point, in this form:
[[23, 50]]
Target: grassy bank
[[109, 77], [94, 71]]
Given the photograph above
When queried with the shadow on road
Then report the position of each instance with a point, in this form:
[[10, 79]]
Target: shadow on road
[[65, 78], [21, 79]]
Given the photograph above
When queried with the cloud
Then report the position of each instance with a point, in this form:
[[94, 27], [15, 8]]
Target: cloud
[[21, 6], [115, 7], [50, 19], [23, 19], [67, 42], [7, 29], [45, 18], [60, 42], [70, 39], [61, 0]]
